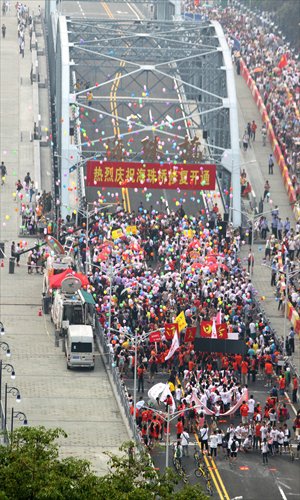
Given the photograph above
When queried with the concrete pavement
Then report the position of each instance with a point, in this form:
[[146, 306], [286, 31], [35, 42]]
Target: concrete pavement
[[255, 162], [82, 403]]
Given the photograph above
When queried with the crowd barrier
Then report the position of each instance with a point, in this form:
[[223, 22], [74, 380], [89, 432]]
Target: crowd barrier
[[271, 135], [294, 318]]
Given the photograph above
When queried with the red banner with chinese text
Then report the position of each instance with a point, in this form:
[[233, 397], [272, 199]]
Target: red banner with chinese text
[[155, 336], [151, 175]]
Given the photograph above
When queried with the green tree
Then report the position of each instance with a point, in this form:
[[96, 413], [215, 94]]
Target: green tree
[[30, 468]]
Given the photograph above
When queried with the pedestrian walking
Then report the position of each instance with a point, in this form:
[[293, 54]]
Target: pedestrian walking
[[271, 164], [245, 140], [295, 389], [250, 262], [267, 188], [3, 30], [185, 439], [214, 443], [265, 451], [3, 170], [233, 443], [203, 437], [264, 134], [253, 130], [140, 373], [292, 339]]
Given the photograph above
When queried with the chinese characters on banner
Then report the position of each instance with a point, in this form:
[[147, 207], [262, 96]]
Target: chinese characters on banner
[[150, 175]]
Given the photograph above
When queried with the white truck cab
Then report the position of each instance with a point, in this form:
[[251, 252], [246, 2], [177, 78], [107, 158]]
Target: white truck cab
[[79, 347]]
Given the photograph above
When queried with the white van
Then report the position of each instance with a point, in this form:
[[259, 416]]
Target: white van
[[79, 345]]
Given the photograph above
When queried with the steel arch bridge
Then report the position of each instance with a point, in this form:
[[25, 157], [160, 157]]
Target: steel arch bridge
[[161, 90]]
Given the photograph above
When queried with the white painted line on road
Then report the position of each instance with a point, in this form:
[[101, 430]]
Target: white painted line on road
[[134, 11], [282, 492], [289, 400], [285, 485]]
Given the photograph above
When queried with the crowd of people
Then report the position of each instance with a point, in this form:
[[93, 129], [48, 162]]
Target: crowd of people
[[277, 74]]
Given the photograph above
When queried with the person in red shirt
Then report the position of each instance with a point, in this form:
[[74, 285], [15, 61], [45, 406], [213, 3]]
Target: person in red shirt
[[244, 411], [281, 386], [257, 436], [244, 372], [179, 428], [268, 373]]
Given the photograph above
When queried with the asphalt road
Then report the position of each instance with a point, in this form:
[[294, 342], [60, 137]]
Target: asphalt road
[[248, 478]]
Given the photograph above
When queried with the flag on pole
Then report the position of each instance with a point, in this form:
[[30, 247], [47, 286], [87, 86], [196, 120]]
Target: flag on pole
[[214, 330], [283, 62], [181, 321], [190, 334], [206, 329], [222, 332], [218, 318], [170, 329], [174, 346]]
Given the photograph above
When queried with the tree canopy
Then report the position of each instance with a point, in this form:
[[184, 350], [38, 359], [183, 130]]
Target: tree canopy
[[30, 468]]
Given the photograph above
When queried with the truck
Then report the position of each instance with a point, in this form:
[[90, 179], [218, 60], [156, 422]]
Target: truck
[[79, 347], [72, 305]]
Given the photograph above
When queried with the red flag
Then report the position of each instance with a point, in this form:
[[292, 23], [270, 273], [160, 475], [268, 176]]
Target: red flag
[[206, 329], [190, 334], [155, 336], [283, 61], [170, 329], [222, 332]]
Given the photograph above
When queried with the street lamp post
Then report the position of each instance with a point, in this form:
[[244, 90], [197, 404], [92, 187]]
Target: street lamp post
[[6, 348], [2, 329], [10, 390], [10, 369], [20, 416], [252, 218]]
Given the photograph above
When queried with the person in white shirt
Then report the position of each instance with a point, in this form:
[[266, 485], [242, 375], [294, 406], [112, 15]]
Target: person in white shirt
[[287, 437], [280, 439], [265, 450], [251, 405], [185, 438], [214, 444]]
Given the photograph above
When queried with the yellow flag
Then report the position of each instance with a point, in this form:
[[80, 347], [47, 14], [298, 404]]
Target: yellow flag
[[117, 233], [180, 320], [131, 229]]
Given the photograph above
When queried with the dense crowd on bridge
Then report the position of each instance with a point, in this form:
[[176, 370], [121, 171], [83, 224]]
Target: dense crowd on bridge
[[277, 74]]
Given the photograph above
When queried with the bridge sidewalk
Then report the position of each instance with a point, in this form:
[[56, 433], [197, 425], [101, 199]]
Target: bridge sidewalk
[[255, 162]]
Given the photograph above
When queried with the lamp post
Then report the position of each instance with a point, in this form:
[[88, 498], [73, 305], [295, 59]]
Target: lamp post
[[20, 416], [10, 369], [288, 275], [252, 218], [10, 390], [6, 348], [2, 329]]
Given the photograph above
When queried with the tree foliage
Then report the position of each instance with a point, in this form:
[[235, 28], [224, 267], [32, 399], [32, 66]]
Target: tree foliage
[[30, 468]]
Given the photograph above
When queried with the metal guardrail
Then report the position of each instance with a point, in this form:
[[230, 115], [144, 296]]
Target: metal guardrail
[[119, 385]]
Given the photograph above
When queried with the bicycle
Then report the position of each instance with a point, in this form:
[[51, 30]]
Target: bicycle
[[203, 471], [180, 470]]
